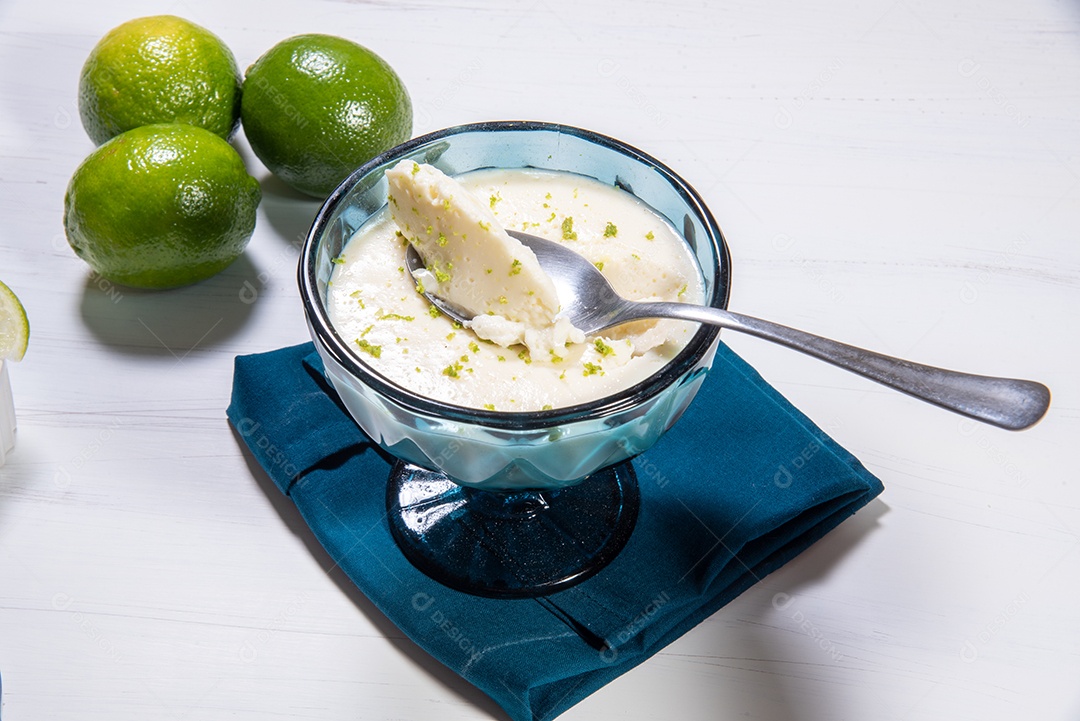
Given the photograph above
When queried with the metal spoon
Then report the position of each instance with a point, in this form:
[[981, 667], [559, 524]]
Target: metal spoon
[[592, 305]]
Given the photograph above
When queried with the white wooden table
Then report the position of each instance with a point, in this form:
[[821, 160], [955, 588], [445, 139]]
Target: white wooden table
[[900, 174]]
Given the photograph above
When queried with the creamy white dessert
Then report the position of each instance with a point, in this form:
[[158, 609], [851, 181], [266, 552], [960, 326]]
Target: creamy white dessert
[[374, 302], [473, 263]]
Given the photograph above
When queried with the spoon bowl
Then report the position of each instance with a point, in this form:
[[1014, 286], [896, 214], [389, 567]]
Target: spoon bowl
[[592, 305]]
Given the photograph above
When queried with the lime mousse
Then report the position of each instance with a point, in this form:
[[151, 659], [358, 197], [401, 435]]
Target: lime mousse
[[473, 263], [518, 354]]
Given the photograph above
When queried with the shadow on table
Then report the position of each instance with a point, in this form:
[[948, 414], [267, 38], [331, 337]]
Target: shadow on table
[[817, 561], [773, 675], [289, 211], [421, 658], [171, 322]]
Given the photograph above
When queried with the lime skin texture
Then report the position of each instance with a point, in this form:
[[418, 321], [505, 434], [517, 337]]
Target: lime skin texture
[[161, 206], [159, 69], [317, 107]]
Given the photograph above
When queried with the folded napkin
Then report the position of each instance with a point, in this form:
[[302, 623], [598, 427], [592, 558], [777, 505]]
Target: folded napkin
[[741, 485]]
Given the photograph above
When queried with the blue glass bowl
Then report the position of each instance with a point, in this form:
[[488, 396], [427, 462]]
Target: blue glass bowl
[[495, 450], [512, 505]]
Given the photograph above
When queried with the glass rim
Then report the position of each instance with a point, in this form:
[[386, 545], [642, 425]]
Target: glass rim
[[632, 396]]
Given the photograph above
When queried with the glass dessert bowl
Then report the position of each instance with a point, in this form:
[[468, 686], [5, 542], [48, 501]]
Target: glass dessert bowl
[[512, 503]]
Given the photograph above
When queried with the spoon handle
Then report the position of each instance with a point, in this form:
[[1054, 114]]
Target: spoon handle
[[1005, 402]]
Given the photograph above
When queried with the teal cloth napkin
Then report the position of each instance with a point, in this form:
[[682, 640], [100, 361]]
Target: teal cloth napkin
[[742, 484]]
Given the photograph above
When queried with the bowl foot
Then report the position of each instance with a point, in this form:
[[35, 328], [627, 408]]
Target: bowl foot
[[512, 544]]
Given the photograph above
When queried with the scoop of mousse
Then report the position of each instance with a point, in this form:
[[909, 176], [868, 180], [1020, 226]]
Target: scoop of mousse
[[471, 261]]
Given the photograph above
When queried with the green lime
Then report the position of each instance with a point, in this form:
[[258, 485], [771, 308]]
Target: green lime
[[317, 107], [14, 326], [161, 206], [160, 69]]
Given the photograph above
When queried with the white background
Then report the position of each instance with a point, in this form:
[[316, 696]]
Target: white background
[[899, 174]]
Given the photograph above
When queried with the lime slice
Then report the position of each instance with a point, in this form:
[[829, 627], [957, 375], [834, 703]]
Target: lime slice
[[14, 327]]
